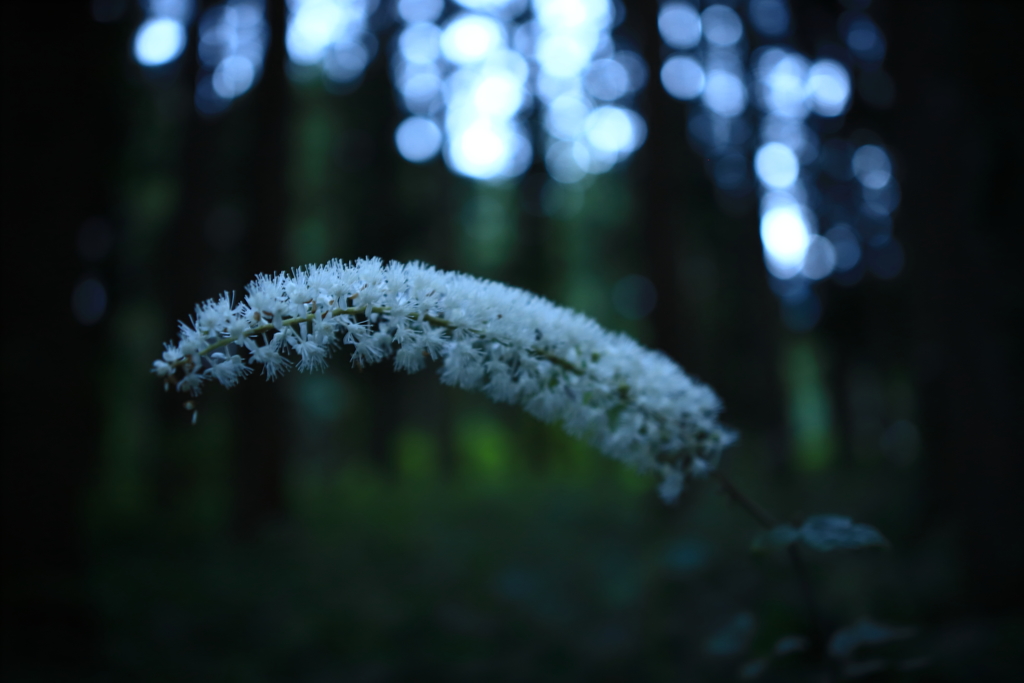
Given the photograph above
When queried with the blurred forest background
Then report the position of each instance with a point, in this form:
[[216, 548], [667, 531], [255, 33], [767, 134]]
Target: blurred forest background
[[366, 526]]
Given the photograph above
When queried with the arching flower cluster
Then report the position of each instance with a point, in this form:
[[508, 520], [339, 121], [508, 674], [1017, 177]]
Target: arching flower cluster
[[633, 404]]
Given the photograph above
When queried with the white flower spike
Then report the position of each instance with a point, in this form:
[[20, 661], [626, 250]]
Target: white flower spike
[[633, 404]]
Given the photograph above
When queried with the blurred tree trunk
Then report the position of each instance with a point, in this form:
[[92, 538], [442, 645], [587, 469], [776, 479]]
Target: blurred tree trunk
[[259, 412], [696, 255], [187, 256], [235, 162], [962, 146], [662, 193]]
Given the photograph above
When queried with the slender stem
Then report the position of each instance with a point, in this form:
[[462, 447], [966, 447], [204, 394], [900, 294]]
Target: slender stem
[[763, 517], [803, 579], [269, 327]]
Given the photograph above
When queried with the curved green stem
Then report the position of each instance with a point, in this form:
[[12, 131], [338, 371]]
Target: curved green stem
[[803, 579], [763, 517]]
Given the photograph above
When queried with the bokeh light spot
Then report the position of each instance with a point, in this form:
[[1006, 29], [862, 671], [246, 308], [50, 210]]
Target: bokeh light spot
[[724, 93], [722, 26], [420, 10], [498, 94], [829, 85], [89, 301], [820, 259], [233, 76], [420, 43], [613, 130], [769, 17], [565, 116], [785, 236], [311, 30], [566, 163], [333, 34], [783, 78], [846, 245], [565, 55], [635, 66], [504, 9], [872, 167], [418, 139], [865, 39], [679, 25], [776, 165], [607, 80], [483, 149], [469, 38], [683, 77], [421, 91], [159, 41], [345, 62]]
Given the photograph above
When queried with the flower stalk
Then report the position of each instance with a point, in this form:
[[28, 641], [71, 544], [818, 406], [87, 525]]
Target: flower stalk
[[803, 579], [632, 403]]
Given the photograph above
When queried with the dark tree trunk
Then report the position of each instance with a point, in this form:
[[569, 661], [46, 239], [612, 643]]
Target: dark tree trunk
[[260, 447], [661, 188], [961, 139], [235, 161], [694, 253]]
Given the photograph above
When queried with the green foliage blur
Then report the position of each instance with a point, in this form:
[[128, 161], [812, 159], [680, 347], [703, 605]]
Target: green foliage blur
[[367, 526], [427, 534]]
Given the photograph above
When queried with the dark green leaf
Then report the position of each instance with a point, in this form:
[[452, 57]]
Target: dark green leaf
[[834, 532], [864, 632]]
